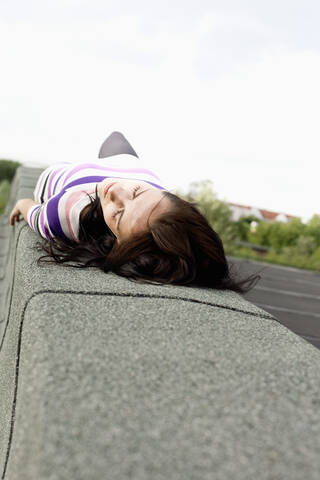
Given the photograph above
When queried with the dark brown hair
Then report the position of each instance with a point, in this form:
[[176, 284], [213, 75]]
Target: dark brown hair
[[180, 248]]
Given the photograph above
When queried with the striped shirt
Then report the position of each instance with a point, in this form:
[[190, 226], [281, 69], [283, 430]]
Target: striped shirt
[[62, 189]]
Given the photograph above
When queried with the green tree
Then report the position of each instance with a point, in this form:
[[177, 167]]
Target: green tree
[[243, 225], [278, 237], [4, 195], [292, 231], [303, 253], [262, 234], [305, 245], [277, 234], [313, 228], [316, 256], [8, 169]]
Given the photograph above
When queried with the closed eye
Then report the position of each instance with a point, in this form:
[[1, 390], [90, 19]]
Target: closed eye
[[119, 211], [134, 196]]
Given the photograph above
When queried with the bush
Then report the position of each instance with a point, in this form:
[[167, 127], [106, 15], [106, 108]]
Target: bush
[[292, 231], [4, 194], [313, 228], [277, 234], [305, 245], [262, 234], [316, 254], [243, 225], [8, 169]]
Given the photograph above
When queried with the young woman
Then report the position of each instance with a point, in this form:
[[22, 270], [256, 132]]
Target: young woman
[[132, 225]]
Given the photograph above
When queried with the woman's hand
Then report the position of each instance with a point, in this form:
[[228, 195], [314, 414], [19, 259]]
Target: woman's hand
[[15, 213], [22, 207]]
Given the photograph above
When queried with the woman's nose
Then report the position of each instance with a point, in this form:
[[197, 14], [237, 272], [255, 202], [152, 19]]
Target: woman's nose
[[118, 194]]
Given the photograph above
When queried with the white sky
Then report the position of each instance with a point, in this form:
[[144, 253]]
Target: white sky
[[202, 89]]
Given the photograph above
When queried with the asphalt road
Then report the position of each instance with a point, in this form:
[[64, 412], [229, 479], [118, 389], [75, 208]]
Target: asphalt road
[[291, 295]]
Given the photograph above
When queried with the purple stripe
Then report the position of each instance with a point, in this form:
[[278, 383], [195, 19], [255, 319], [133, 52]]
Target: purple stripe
[[96, 179], [47, 233], [53, 216], [99, 167]]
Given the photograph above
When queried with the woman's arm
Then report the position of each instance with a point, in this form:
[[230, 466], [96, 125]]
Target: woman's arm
[[22, 206]]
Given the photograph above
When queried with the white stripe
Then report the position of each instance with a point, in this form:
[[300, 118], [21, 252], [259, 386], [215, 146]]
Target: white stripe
[[113, 174], [309, 337], [46, 223], [290, 279], [289, 310], [288, 292], [39, 185], [307, 281], [30, 213]]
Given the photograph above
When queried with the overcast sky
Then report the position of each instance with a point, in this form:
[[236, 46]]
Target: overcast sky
[[223, 90]]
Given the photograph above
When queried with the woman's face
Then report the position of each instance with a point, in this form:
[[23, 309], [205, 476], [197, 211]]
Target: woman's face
[[128, 203]]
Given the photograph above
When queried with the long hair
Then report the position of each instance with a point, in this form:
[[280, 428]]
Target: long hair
[[179, 247]]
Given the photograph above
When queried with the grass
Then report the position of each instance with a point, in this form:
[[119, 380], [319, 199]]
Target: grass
[[297, 261]]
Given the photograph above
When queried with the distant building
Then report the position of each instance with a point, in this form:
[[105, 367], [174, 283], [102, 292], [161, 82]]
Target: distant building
[[239, 211]]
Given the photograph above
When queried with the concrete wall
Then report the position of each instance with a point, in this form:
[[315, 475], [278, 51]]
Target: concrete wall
[[104, 378]]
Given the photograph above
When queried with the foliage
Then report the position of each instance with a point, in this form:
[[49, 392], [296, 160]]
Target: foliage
[[8, 169], [243, 225], [293, 243], [305, 246], [262, 234], [278, 234], [4, 195], [313, 228]]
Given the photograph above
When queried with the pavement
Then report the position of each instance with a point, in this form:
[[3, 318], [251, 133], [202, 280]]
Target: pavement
[[292, 295]]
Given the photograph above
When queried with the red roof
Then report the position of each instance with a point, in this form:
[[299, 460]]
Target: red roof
[[267, 214]]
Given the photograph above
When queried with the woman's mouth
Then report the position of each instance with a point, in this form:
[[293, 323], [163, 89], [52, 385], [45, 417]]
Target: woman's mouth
[[107, 188]]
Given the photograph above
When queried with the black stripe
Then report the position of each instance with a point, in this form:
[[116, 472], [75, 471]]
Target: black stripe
[[36, 221], [44, 187]]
